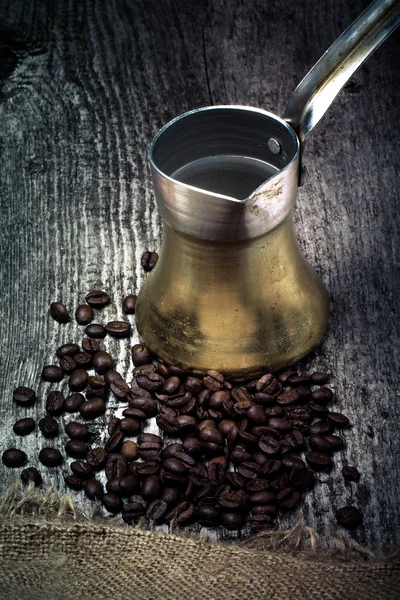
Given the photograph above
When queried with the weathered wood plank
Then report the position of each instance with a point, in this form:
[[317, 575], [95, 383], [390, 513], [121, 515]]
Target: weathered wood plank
[[85, 85]]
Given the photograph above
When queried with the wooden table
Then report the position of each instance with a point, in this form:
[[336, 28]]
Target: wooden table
[[84, 87]]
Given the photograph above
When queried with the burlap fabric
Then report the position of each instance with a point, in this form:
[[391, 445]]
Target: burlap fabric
[[48, 550]]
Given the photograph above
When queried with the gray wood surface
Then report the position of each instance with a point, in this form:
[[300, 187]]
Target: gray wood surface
[[85, 85]]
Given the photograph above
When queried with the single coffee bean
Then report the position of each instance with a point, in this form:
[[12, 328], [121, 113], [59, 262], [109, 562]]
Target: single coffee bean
[[233, 520], [321, 428], [75, 483], [24, 426], [288, 498], [120, 389], [322, 395], [114, 442], [304, 392], [24, 396], [67, 350], [149, 260], [274, 412], [207, 515], [76, 448], [50, 457], [67, 364], [181, 513], [59, 312], [97, 298], [319, 443], [319, 377], [93, 408], [134, 509], [78, 380], [171, 385], [151, 488], [213, 380], [269, 445], [337, 419], [302, 478], [152, 382], [83, 360], [112, 376], [76, 430], [14, 458], [170, 495], [283, 425], [130, 427], [175, 466], [290, 462], [49, 427], [119, 329], [96, 382], [129, 304], [296, 380], [82, 469], [295, 439], [271, 467], [335, 441], [90, 345], [349, 517], [283, 377], [288, 398], [319, 460], [31, 475], [73, 402], [84, 314], [93, 489], [129, 450], [55, 403], [263, 497], [115, 466], [112, 503], [156, 511], [148, 467], [95, 330], [264, 509], [211, 434], [146, 405], [52, 373], [96, 458], [318, 410], [350, 473], [256, 414], [250, 470], [102, 362], [140, 355]]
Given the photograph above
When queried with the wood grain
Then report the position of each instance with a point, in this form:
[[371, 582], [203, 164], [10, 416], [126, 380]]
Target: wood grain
[[84, 85]]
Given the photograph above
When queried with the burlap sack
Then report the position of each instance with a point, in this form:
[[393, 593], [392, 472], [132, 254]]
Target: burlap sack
[[48, 550]]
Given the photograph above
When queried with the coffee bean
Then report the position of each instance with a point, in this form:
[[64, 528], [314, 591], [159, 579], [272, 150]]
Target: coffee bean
[[49, 427], [84, 314], [296, 380], [112, 376], [302, 478], [181, 513], [75, 483], [59, 312], [283, 425], [349, 517], [350, 473], [67, 350], [24, 396], [283, 377], [207, 515], [55, 403], [114, 442], [82, 469], [90, 346], [171, 385], [78, 380], [50, 457], [129, 450], [93, 489], [115, 466], [337, 419], [149, 260], [24, 426], [97, 298], [67, 364], [134, 509], [76, 448], [213, 380], [140, 355], [264, 509], [250, 470], [271, 466], [335, 441], [170, 495], [112, 503], [274, 412], [232, 520], [31, 475], [321, 428], [148, 467], [130, 427], [151, 488], [95, 330], [14, 458], [240, 455], [52, 373], [288, 398], [322, 395], [76, 430], [295, 439], [319, 460], [120, 389], [290, 462], [288, 498], [96, 458], [102, 362], [269, 445], [256, 414], [152, 382], [319, 377], [119, 329], [170, 450], [93, 408], [129, 304], [318, 410]]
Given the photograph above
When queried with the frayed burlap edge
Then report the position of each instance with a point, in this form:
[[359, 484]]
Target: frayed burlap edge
[[30, 505]]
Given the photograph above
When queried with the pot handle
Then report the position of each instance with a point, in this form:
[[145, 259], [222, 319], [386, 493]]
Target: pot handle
[[316, 92]]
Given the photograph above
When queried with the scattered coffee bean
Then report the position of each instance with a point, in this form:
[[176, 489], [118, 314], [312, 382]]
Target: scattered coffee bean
[[90, 345], [129, 450], [351, 473], [119, 329], [49, 427], [59, 312], [149, 260], [52, 373], [102, 362], [319, 377], [84, 314], [337, 419], [82, 469], [140, 355], [97, 298], [112, 503], [93, 408], [24, 426], [76, 430], [24, 396], [76, 448], [96, 458], [55, 403], [67, 364], [67, 350], [129, 304], [83, 360], [31, 475], [50, 457], [14, 458], [78, 380], [93, 489], [95, 330], [120, 389], [349, 517], [75, 483], [115, 466], [319, 460]]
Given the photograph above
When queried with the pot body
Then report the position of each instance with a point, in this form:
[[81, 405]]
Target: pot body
[[231, 290]]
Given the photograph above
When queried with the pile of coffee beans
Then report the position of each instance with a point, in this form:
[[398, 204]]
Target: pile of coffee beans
[[230, 454]]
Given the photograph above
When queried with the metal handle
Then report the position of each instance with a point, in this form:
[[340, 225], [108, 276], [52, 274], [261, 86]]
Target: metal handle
[[316, 92]]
